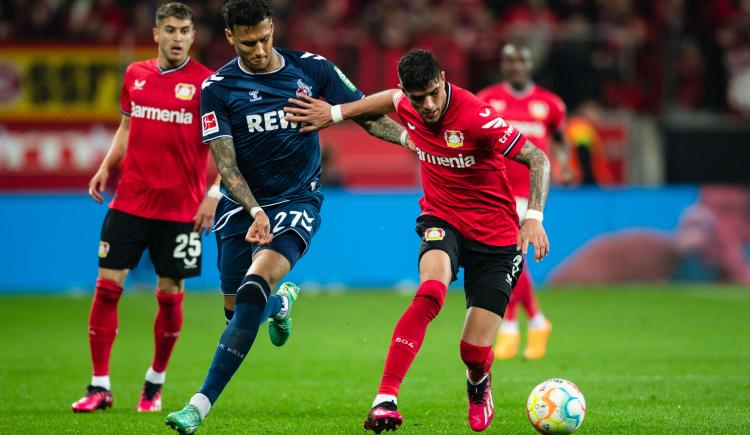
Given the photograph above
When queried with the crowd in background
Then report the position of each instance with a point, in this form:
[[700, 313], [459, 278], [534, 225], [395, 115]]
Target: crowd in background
[[642, 55]]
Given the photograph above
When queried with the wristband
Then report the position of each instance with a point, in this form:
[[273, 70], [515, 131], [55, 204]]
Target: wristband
[[214, 192], [534, 214], [336, 115], [254, 211], [402, 139]]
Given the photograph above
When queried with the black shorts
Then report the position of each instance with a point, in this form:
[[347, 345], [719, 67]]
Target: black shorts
[[490, 272], [174, 248]]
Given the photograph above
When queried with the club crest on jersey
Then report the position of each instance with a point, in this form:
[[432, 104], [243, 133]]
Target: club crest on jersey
[[184, 91], [209, 123], [303, 88], [138, 85], [453, 138], [254, 95], [103, 249], [434, 234], [538, 109]]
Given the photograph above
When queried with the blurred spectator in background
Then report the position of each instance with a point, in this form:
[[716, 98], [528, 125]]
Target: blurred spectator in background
[[734, 38], [588, 164], [622, 53]]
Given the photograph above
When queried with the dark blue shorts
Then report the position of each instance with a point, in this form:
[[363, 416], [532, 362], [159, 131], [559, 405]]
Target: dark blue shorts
[[293, 225]]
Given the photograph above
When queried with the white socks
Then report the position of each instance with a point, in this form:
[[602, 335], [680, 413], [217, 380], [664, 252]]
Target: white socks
[[380, 398], [538, 321], [155, 377], [101, 381], [201, 402], [509, 326]]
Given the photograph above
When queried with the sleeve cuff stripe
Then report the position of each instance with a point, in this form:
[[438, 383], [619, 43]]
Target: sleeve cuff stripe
[[209, 139], [512, 144]]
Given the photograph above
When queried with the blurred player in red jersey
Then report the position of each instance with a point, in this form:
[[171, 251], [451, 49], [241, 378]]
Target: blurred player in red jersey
[[468, 219], [160, 202], [540, 115]]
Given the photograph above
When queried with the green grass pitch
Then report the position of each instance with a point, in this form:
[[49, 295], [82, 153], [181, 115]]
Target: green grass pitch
[[649, 360]]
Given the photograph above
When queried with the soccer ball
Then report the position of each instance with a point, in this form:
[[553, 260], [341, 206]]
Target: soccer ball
[[556, 406]]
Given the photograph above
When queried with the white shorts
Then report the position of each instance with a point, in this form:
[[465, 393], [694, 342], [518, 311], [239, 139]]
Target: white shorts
[[522, 204]]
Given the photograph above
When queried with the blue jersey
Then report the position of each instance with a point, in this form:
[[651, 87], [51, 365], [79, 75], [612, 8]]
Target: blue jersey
[[278, 162]]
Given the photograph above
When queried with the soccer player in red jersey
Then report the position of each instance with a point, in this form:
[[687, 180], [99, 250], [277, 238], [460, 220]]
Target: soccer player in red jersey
[[468, 219], [539, 114], [160, 202]]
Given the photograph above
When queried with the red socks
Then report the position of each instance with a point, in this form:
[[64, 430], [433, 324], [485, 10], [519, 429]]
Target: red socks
[[167, 327], [478, 360], [523, 293], [409, 334], [103, 323]]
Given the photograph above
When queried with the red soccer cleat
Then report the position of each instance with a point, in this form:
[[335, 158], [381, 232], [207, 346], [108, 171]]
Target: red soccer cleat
[[150, 398], [95, 398], [383, 416], [481, 407]]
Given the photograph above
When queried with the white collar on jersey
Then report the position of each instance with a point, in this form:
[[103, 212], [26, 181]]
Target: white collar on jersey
[[448, 92], [167, 71], [523, 93], [283, 64]]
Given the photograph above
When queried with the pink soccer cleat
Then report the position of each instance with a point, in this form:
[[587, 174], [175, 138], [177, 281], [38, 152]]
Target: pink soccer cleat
[[95, 398], [481, 407], [150, 398], [383, 416]]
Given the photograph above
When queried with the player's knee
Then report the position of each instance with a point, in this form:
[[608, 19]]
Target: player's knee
[[434, 292], [115, 275], [253, 290], [170, 285]]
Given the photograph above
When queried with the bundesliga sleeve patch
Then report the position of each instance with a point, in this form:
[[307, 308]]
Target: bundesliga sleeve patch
[[209, 123], [434, 234], [345, 79]]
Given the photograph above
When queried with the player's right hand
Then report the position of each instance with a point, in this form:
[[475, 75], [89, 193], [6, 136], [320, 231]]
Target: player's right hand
[[259, 232], [97, 184], [315, 113], [532, 232]]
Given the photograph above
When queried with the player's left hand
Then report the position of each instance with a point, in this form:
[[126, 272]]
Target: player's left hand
[[204, 217], [315, 113], [259, 232], [532, 232]]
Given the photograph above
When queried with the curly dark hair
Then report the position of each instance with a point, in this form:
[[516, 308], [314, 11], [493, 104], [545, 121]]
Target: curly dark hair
[[417, 69], [178, 10], [245, 12]]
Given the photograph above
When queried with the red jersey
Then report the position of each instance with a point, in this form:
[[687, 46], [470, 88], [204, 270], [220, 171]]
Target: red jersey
[[164, 173], [536, 111], [463, 160]]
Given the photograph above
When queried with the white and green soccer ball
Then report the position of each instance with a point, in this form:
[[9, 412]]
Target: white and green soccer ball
[[556, 406]]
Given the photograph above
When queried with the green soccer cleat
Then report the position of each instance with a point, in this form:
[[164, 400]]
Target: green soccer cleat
[[280, 328], [186, 420]]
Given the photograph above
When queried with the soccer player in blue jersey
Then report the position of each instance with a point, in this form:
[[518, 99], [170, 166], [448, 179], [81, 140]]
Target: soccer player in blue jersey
[[270, 183]]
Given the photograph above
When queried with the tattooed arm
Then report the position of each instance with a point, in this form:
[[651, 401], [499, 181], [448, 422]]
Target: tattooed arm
[[222, 149], [383, 127], [532, 231], [539, 168]]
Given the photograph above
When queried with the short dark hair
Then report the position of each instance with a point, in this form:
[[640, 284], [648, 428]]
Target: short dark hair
[[245, 12], [417, 69], [178, 10]]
